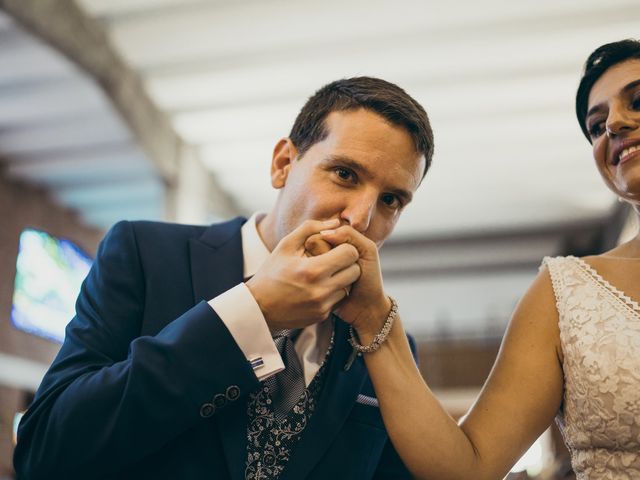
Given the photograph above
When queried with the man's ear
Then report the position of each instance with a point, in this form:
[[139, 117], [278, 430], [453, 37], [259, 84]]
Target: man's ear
[[284, 154]]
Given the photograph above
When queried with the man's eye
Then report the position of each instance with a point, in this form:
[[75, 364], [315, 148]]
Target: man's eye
[[390, 200], [344, 174]]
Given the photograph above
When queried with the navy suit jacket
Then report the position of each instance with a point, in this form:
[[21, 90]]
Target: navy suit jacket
[[124, 397]]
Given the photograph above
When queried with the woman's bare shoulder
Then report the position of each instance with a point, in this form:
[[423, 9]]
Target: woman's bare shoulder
[[536, 315]]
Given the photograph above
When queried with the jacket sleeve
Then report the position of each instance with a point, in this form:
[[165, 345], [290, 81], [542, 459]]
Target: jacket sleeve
[[391, 466], [111, 396]]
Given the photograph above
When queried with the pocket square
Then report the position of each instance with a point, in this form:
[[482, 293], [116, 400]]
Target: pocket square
[[366, 400]]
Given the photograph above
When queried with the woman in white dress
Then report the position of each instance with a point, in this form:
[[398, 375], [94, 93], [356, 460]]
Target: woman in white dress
[[572, 348]]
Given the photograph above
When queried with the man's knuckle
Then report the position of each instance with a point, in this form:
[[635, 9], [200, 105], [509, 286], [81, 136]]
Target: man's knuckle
[[311, 274], [345, 231], [307, 224], [322, 312]]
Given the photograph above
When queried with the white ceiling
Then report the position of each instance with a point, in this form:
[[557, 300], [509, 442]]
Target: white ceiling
[[497, 78]]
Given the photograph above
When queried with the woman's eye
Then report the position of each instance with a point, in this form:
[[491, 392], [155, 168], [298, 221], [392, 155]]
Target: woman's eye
[[635, 103], [390, 200], [596, 129]]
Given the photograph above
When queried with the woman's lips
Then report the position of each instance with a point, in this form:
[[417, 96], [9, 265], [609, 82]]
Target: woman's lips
[[628, 153], [624, 151]]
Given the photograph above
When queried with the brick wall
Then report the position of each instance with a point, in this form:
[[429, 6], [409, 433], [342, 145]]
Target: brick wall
[[23, 206]]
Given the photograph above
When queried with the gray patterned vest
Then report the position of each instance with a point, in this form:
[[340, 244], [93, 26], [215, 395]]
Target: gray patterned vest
[[270, 442]]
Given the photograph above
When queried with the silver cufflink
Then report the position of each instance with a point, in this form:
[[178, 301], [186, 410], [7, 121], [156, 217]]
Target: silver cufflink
[[256, 363]]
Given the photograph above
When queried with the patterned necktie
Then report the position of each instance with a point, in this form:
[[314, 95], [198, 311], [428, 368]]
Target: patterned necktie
[[286, 387]]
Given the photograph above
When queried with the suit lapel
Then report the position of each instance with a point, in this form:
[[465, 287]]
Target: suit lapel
[[217, 266], [337, 398], [216, 260]]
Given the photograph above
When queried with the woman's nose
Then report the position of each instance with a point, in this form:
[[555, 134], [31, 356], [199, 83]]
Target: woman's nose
[[619, 121]]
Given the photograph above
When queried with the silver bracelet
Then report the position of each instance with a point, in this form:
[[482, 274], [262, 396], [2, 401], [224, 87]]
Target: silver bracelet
[[380, 337]]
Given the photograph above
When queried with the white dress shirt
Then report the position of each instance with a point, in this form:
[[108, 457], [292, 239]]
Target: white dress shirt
[[241, 314]]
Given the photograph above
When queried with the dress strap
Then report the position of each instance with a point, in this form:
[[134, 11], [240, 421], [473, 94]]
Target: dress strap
[[555, 265], [604, 285]]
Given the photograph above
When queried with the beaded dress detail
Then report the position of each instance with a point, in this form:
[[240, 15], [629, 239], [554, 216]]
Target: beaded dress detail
[[600, 337]]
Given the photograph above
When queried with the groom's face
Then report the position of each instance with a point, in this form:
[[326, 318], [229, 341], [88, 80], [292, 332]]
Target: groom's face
[[363, 173]]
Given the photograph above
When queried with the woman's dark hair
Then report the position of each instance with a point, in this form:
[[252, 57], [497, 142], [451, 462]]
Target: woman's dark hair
[[381, 97], [599, 62]]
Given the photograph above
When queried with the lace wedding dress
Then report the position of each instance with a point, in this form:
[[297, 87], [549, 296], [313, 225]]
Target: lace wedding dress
[[600, 336]]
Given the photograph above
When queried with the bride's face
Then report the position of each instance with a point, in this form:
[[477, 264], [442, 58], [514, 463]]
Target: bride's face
[[613, 121]]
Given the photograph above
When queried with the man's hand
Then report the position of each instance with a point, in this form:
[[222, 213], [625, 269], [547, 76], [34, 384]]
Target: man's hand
[[294, 290], [367, 306]]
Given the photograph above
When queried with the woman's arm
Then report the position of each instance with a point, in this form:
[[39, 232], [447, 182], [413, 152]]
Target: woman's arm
[[517, 403]]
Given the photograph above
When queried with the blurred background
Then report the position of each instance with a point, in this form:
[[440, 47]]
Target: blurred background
[[169, 110]]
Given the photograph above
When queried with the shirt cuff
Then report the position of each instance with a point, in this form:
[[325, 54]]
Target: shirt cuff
[[242, 316]]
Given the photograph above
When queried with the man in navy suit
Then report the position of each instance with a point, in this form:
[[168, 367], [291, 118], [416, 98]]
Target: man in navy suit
[[223, 352]]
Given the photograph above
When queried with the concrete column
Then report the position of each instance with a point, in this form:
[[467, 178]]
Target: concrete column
[[195, 196]]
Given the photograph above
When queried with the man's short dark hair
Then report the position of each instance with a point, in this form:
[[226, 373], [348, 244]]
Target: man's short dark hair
[[600, 61], [382, 97]]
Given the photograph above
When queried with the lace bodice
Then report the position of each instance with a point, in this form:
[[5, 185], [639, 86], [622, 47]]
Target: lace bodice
[[600, 338]]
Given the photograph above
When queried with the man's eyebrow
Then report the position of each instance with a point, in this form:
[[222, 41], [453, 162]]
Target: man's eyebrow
[[351, 163], [597, 108], [362, 170]]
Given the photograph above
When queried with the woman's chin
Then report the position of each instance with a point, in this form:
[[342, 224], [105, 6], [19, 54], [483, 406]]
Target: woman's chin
[[627, 181]]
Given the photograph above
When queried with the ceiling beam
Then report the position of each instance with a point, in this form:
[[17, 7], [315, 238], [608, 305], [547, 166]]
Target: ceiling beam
[[125, 10], [82, 39], [497, 251]]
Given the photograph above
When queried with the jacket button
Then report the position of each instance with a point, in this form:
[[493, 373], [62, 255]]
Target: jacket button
[[207, 410], [233, 393], [219, 401]]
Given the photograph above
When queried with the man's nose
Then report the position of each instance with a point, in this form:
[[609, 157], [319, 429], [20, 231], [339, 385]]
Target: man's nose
[[360, 211]]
